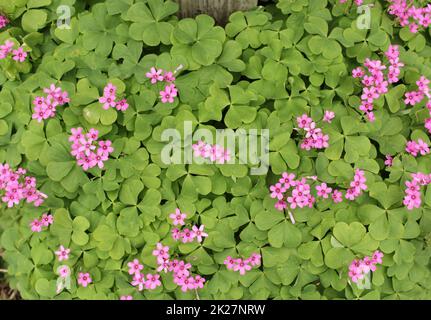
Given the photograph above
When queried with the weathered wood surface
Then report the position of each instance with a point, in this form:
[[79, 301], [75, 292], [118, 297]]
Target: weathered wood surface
[[220, 10]]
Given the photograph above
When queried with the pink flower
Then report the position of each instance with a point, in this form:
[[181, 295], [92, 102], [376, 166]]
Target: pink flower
[[36, 225], [304, 121], [168, 94], [47, 219], [19, 54], [76, 134], [413, 148], [229, 262], [412, 200], [224, 156], [199, 232], [100, 158], [359, 181], [173, 266], [423, 147], [122, 105], [4, 21], [186, 283], [126, 298], [108, 101], [86, 146], [135, 267], [178, 217], [351, 194], [182, 269], [329, 115], [241, 266], [377, 257], [168, 77], [139, 281], [161, 252], [164, 265], [254, 259], [277, 191], [52, 92], [105, 146], [110, 90], [152, 281], [92, 135], [287, 179], [410, 98], [64, 272], [6, 48], [199, 282], [84, 279], [323, 190], [62, 253], [176, 234], [367, 265], [62, 98], [358, 268], [187, 235], [280, 205], [201, 149], [369, 94], [355, 275], [428, 124], [337, 196], [154, 75], [388, 161], [358, 72]]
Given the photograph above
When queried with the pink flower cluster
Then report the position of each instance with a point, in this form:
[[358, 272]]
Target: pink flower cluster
[[357, 185], [301, 195], [314, 137], [414, 97], [412, 197], [415, 148], [17, 187], [46, 220], [4, 21], [84, 279], [170, 92], [211, 152], [375, 82], [243, 265], [85, 150], [109, 99], [17, 54], [181, 272], [45, 107], [186, 235], [409, 15], [359, 268]]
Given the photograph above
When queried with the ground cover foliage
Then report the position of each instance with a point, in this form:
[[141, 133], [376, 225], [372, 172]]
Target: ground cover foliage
[[262, 70]]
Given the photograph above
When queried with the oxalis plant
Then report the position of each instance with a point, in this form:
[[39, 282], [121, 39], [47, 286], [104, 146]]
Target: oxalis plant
[[130, 142]]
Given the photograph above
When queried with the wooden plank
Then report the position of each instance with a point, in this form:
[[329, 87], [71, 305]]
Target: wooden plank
[[220, 10]]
